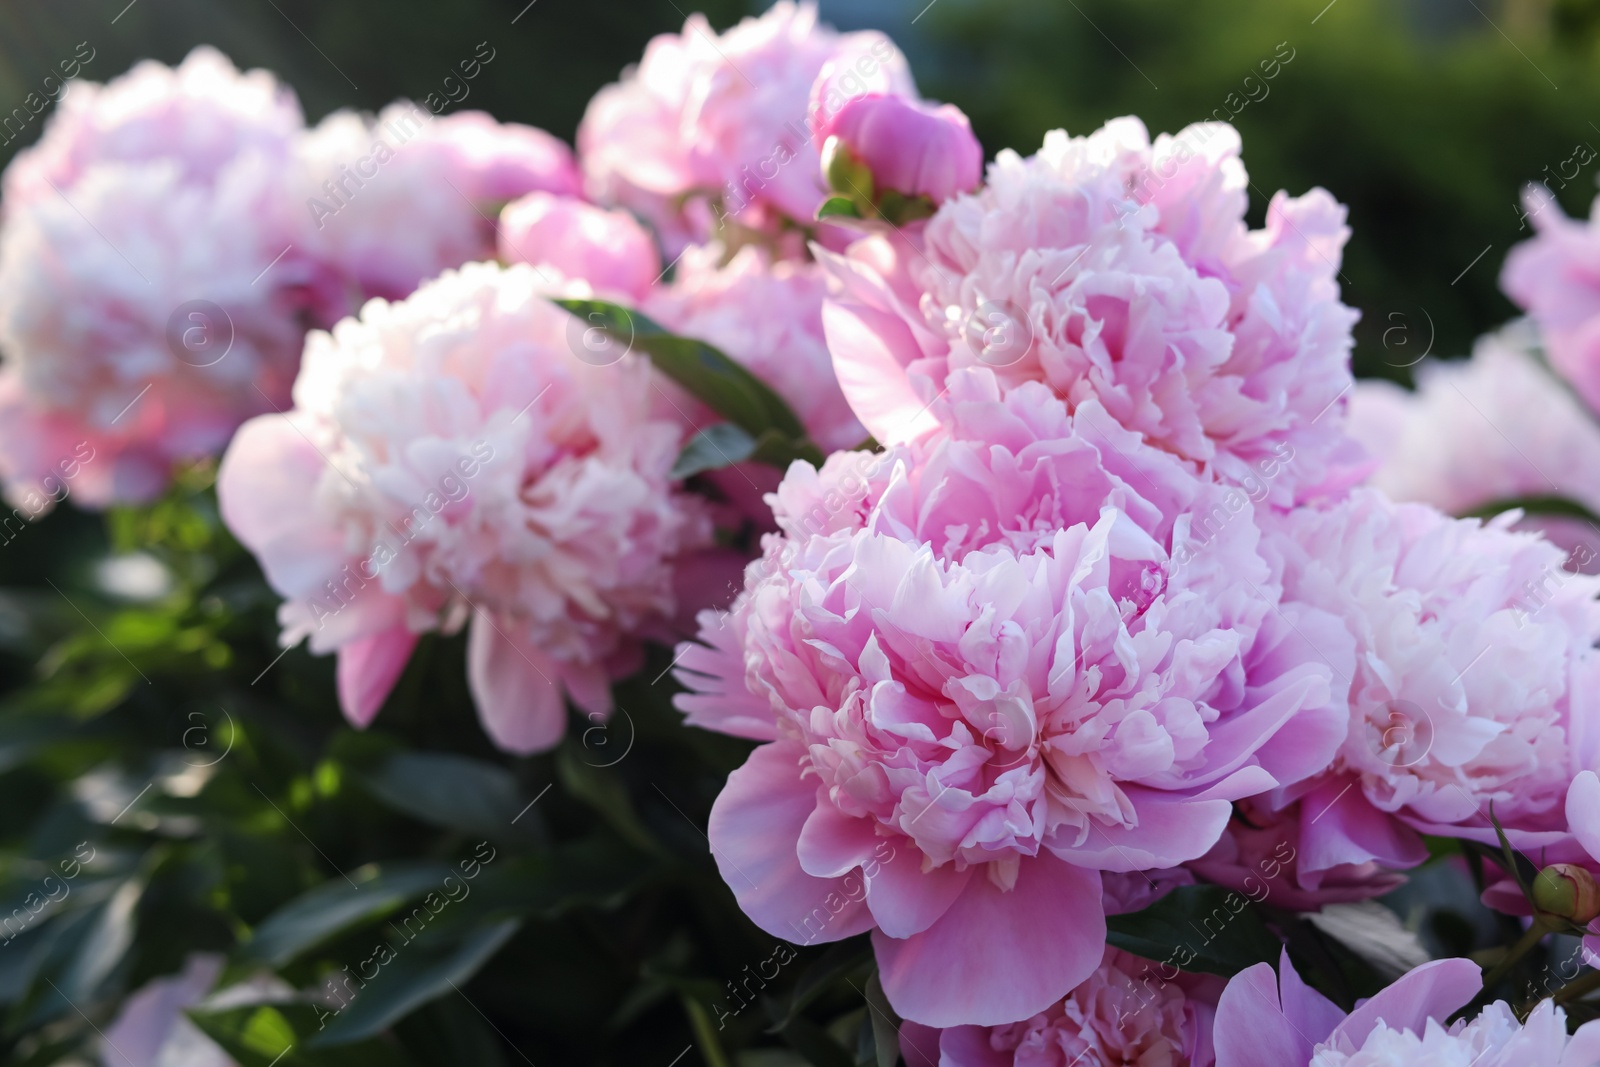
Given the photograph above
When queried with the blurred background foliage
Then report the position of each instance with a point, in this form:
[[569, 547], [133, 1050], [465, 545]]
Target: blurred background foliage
[[136, 649]]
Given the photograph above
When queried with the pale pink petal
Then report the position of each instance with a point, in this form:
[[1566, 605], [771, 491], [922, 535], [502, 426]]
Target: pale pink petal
[[514, 686], [368, 669]]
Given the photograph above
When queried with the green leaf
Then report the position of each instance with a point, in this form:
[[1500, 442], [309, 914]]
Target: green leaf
[[719, 445], [1198, 928], [838, 207], [419, 972], [337, 905], [455, 792], [723, 385], [274, 1035], [1534, 505], [604, 791]]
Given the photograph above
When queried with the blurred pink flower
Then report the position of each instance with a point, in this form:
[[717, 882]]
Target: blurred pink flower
[[152, 1030], [710, 127], [1474, 678], [1497, 427], [911, 146], [1112, 269], [1120, 1014], [607, 249], [154, 287], [393, 200], [450, 459], [200, 117], [1259, 855], [989, 667], [1555, 277], [1405, 1024]]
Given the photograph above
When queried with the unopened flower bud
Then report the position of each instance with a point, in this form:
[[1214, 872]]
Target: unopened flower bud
[[1567, 891], [912, 147]]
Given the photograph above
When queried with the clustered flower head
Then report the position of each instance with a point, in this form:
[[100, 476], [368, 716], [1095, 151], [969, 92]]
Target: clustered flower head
[[173, 235], [1020, 653], [1114, 269], [468, 469], [1267, 1020], [1118, 1015]]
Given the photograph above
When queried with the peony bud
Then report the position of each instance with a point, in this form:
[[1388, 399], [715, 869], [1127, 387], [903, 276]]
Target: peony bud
[[607, 249], [1567, 891], [910, 147]]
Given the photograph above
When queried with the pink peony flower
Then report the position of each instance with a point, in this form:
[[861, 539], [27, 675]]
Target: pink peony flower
[[908, 145], [607, 249], [198, 117], [768, 317], [447, 178], [1259, 855], [1497, 427], [1112, 269], [988, 668], [154, 287], [1404, 1025], [710, 127], [1475, 674], [1121, 1014], [1555, 277], [449, 459]]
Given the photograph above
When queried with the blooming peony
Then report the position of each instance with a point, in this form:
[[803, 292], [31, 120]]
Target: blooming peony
[[987, 668], [711, 127], [154, 289], [449, 459], [768, 317], [1474, 678], [1497, 427], [1118, 271], [1121, 1014], [396, 199], [1403, 1026], [1555, 278]]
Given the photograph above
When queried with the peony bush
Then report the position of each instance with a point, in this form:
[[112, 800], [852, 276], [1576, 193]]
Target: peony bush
[[1075, 663]]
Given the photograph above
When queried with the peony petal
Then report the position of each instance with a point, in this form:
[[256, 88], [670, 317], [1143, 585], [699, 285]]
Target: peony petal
[[1433, 991], [262, 486], [368, 669], [1251, 1027], [871, 350], [1583, 812], [1171, 828], [755, 822], [905, 899], [513, 684], [994, 956]]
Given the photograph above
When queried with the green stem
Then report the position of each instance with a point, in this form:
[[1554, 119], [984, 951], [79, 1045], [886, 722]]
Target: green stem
[[704, 1034], [1577, 988], [1542, 925]]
